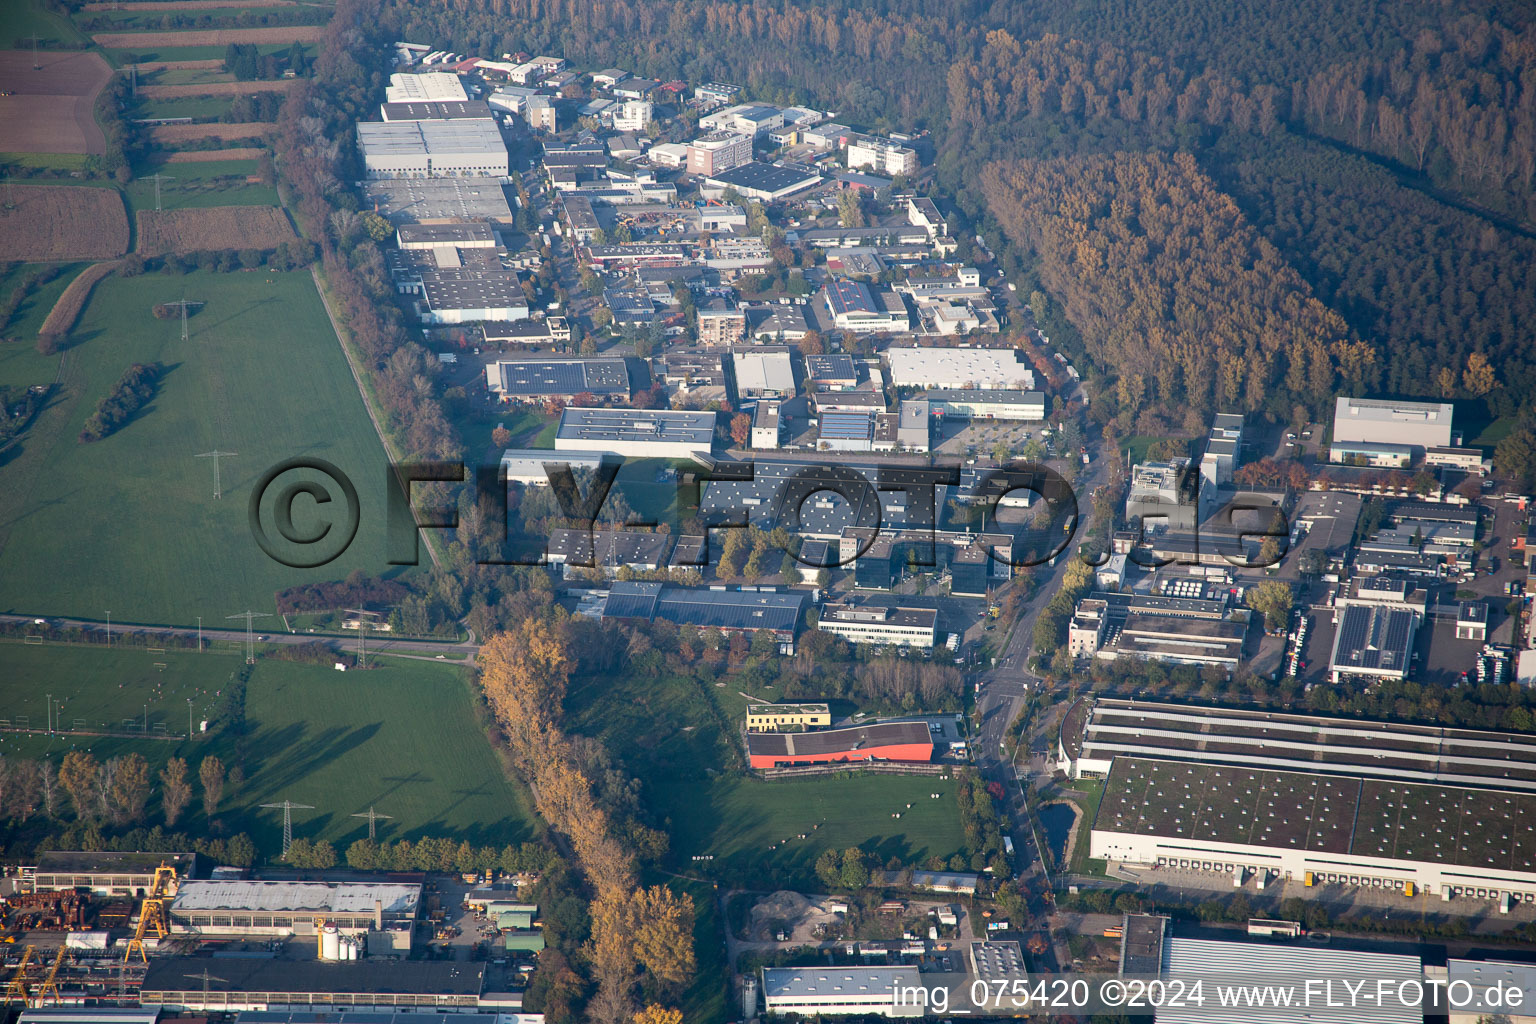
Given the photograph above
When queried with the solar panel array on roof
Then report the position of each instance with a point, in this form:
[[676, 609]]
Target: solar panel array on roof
[[715, 607], [846, 426], [563, 376], [1320, 813], [831, 368], [1373, 639]]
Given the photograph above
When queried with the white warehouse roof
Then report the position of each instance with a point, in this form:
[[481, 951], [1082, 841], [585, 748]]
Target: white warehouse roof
[[763, 371], [319, 897], [433, 86], [960, 368], [1260, 963]]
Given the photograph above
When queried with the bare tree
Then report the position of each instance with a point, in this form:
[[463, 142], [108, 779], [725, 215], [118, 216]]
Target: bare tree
[[48, 781]]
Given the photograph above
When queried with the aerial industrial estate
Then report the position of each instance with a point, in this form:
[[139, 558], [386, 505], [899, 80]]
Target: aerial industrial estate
[[713, 519]]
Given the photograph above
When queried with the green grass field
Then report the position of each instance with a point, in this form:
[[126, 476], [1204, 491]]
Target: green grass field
[[199, 108], [46, 161], [752, 827], [119, 56], [197, 185], [130, 523], [665, 732], [401, 738], [22, 19], [15, 365]]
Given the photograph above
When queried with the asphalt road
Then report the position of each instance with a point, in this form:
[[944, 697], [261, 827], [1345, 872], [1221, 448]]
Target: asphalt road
[[377, 643], [1003, 689]]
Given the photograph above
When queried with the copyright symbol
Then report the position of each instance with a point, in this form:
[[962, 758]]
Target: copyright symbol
[[321, 533], [1113, 992]]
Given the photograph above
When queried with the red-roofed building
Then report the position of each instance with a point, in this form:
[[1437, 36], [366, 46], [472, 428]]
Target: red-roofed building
[[885, 741]]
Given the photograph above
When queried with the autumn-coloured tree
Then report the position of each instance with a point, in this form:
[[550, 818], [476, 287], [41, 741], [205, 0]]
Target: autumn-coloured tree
[[741, 429], [526, 672], [654, 1013], [78, 775], [664, 934], [211, 773], [501, 437], [811, 344], [130, 788], [1478, 377], [175, 790]]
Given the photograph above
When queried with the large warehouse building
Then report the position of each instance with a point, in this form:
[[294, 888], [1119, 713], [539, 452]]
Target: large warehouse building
[[884, 741], [1419, 424], [730, 610], [233, 908], [1452, 811], [636, 433], [960, 369], [176, 983], [1218, 962], [808, 991], [455, 147], [116, 874], [535, 380]]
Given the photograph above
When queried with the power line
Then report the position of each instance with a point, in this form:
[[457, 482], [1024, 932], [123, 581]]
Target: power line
[[372, 817], [157, 176], [184, 303], [218, 492], [288, 807], [250, 641]]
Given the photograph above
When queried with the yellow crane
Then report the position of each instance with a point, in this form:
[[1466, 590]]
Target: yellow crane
[[16, 988], [152, 916], [50, 985]]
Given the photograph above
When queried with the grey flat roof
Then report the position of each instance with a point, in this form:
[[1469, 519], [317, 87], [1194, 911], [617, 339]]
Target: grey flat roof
[[712, 607], [392, 977], [832, 982], [978, 396], [446, 234], [320, 897], [997, 959], [610, 547], [454, 135], [82, 862], [473, 289], [696, 428], [429, 110], [766, 178], [421, 199]]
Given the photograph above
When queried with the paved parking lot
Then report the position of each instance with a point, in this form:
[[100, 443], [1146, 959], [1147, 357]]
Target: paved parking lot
[[1200, 885]]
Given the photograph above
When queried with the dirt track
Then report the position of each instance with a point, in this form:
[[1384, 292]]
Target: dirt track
[[140, 41], [170, 134], [203, 156], [167, 92], [63, 222], [51, 109]]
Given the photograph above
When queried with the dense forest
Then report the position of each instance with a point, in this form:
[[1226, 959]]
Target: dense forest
[[1386, 151], [1173, 287]]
